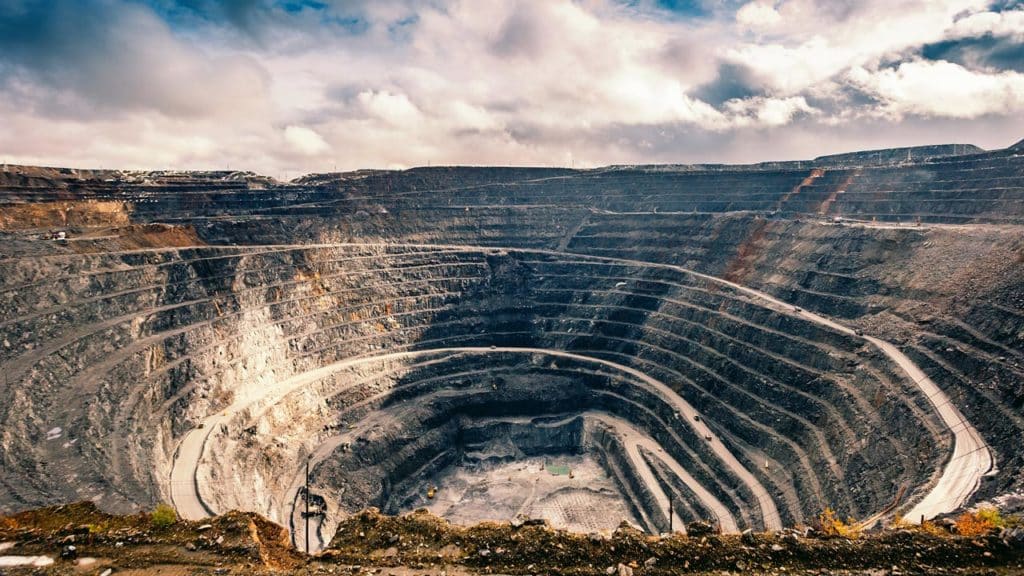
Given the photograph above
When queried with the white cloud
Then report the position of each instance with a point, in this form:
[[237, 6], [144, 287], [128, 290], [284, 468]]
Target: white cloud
[[758, 15], [767, 112], [815, 40], [941, 89], [495, 82], [305, 141], [394, 109], [1007, 23]]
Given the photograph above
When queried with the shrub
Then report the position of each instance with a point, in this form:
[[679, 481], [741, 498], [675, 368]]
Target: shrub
[[992, 516], [832, 525], [163, 516], [974, 524], [932, 529]]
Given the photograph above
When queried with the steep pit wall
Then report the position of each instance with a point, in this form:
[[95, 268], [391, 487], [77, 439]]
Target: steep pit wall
[[237, 339], [114, 359]]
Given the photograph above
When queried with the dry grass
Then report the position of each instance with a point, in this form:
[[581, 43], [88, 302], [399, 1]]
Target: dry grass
[[932, 529], [979, 523], [831, 525], [8, 523]]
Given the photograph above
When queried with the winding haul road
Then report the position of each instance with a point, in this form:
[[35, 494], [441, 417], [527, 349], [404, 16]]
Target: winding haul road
[[971, 458], [185, 490], [634, 440]]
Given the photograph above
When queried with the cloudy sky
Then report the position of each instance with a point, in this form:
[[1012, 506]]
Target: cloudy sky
[[291, 86]]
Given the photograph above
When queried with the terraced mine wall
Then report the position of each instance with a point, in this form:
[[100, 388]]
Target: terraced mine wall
[[386, 326]]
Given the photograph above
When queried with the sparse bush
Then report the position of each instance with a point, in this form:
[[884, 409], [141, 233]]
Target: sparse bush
[[932, 529], [992, 516], [927, 527], [831, 525], [163, 516], [975, 523], [8, 523]]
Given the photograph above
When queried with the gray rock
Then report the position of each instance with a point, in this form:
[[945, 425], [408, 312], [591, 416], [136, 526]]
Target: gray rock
[[699, 528]]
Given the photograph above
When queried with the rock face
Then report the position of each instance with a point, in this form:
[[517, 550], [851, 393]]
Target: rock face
[[388, 328]]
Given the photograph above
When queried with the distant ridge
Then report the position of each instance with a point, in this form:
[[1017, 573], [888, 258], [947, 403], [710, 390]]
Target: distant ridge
[[897, 155], [1017, 146], [880, 157]]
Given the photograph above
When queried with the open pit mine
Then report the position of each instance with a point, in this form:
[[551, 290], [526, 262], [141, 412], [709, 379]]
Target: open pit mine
[[745, 345]]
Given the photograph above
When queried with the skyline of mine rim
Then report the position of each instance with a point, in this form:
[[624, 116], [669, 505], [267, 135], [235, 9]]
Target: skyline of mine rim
[[305, 86]]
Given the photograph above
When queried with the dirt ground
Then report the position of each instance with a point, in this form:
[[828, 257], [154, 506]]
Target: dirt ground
[[419, 543], [571, 492]]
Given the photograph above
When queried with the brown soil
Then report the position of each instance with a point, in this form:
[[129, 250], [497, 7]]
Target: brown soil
[[61, 214], [237, 540], [747, 253], [420, 543], [136, 236]]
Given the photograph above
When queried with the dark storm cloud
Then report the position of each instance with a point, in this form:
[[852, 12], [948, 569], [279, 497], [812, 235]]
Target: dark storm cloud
[[843, 98], [733, 81], [987, 51], [89, 56], [521, 36], [42, 34]]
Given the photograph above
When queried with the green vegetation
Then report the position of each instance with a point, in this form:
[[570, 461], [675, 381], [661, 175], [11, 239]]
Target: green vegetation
[[163, 516]]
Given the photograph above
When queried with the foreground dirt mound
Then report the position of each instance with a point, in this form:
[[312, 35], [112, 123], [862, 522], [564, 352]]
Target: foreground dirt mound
[[80, 536], [79, 539], [423, 541]]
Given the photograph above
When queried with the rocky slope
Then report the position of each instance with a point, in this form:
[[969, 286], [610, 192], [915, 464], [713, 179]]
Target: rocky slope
[[198, 338]]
